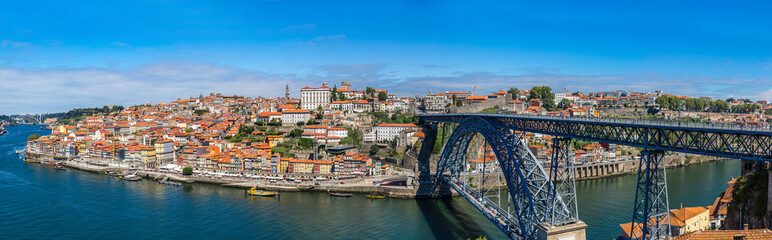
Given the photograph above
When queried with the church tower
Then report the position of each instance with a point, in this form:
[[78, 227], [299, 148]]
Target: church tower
[[286, 92]]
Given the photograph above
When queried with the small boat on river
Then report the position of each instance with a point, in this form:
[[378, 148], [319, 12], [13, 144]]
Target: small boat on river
[[375, 196], [131, 177], [60, 167], [335, 194], [254, 192]]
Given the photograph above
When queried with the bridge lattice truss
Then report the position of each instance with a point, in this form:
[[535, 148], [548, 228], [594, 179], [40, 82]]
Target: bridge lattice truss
[[534, 196], [538, 198], [748, 144]]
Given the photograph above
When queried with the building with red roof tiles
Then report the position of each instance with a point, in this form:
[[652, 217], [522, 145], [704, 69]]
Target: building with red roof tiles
[[312, 98]]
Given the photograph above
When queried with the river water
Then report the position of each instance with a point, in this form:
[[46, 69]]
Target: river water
[[40, 202]]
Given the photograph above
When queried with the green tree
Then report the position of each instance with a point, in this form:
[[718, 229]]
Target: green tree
[[246, 130], [295, 133], [382, 96], [33, 137], [459, 103], [719, 106], [306, 143], [669, 102], [564, 104], [259, 123], [515, 92], [200, 112], [334, 94], [275, 122], [393, 153], [301, 123], [187, 171], [374, 149], [370, 91], [544, 94]]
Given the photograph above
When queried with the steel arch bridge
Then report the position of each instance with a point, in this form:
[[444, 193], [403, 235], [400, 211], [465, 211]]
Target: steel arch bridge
[[538, 197]]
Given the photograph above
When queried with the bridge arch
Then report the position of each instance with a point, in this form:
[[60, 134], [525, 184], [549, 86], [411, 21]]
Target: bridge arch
[[504, 144]]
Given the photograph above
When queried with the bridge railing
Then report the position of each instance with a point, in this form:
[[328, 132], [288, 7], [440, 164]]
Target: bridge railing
[[766, 127]]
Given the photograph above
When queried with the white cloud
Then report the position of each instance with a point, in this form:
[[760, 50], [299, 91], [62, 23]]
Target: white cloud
[[320, 39], [9, 43], [57, 90], [120, 44], [337, 37], [303, 26]]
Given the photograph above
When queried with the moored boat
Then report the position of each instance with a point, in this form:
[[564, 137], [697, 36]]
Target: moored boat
[[375, 196], [335, 194], [60, 167], [131, 177], [254, 192]]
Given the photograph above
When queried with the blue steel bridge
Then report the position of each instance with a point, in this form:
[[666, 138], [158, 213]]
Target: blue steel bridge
[[535, 202]]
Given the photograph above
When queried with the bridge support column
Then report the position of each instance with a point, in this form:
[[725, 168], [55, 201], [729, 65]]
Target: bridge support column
[[425, 181], [651, 214], [562, 176], [573, 231]]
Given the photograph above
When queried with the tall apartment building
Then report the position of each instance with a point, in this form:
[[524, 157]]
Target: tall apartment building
[[312, 98], [435, 103]]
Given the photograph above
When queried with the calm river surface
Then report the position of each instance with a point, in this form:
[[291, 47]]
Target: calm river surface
[[40, 202]]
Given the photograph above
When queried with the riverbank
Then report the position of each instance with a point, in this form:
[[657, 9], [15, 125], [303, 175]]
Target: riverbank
[[361, 185], [357, 186], [631, 166]]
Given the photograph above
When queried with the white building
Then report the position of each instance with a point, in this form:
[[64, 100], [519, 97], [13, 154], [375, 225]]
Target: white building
[[388, 131], [342, 105], [312, 98], [293, 116], [368, 137], [337, 132], [436, 103]]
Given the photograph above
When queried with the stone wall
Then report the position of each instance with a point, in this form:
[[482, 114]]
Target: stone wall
[[477, 107]]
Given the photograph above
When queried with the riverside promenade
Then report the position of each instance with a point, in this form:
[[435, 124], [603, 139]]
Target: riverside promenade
[[350, 185]]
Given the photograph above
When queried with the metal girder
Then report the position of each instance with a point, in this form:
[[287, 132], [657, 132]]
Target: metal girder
[[530, 188], [563, 178], [651, 217], [742, 143]]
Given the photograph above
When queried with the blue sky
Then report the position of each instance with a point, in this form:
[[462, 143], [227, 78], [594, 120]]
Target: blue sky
[[58, 55]]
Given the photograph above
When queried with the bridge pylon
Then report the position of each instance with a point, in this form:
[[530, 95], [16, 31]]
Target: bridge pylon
[[651, 214], [563, 180]]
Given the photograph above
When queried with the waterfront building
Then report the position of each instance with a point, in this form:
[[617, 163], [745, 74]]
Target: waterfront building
[[313, 98], [718, 210], [164, 151], [690, 219], [300, 166], [148, 156], [350, 164]]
